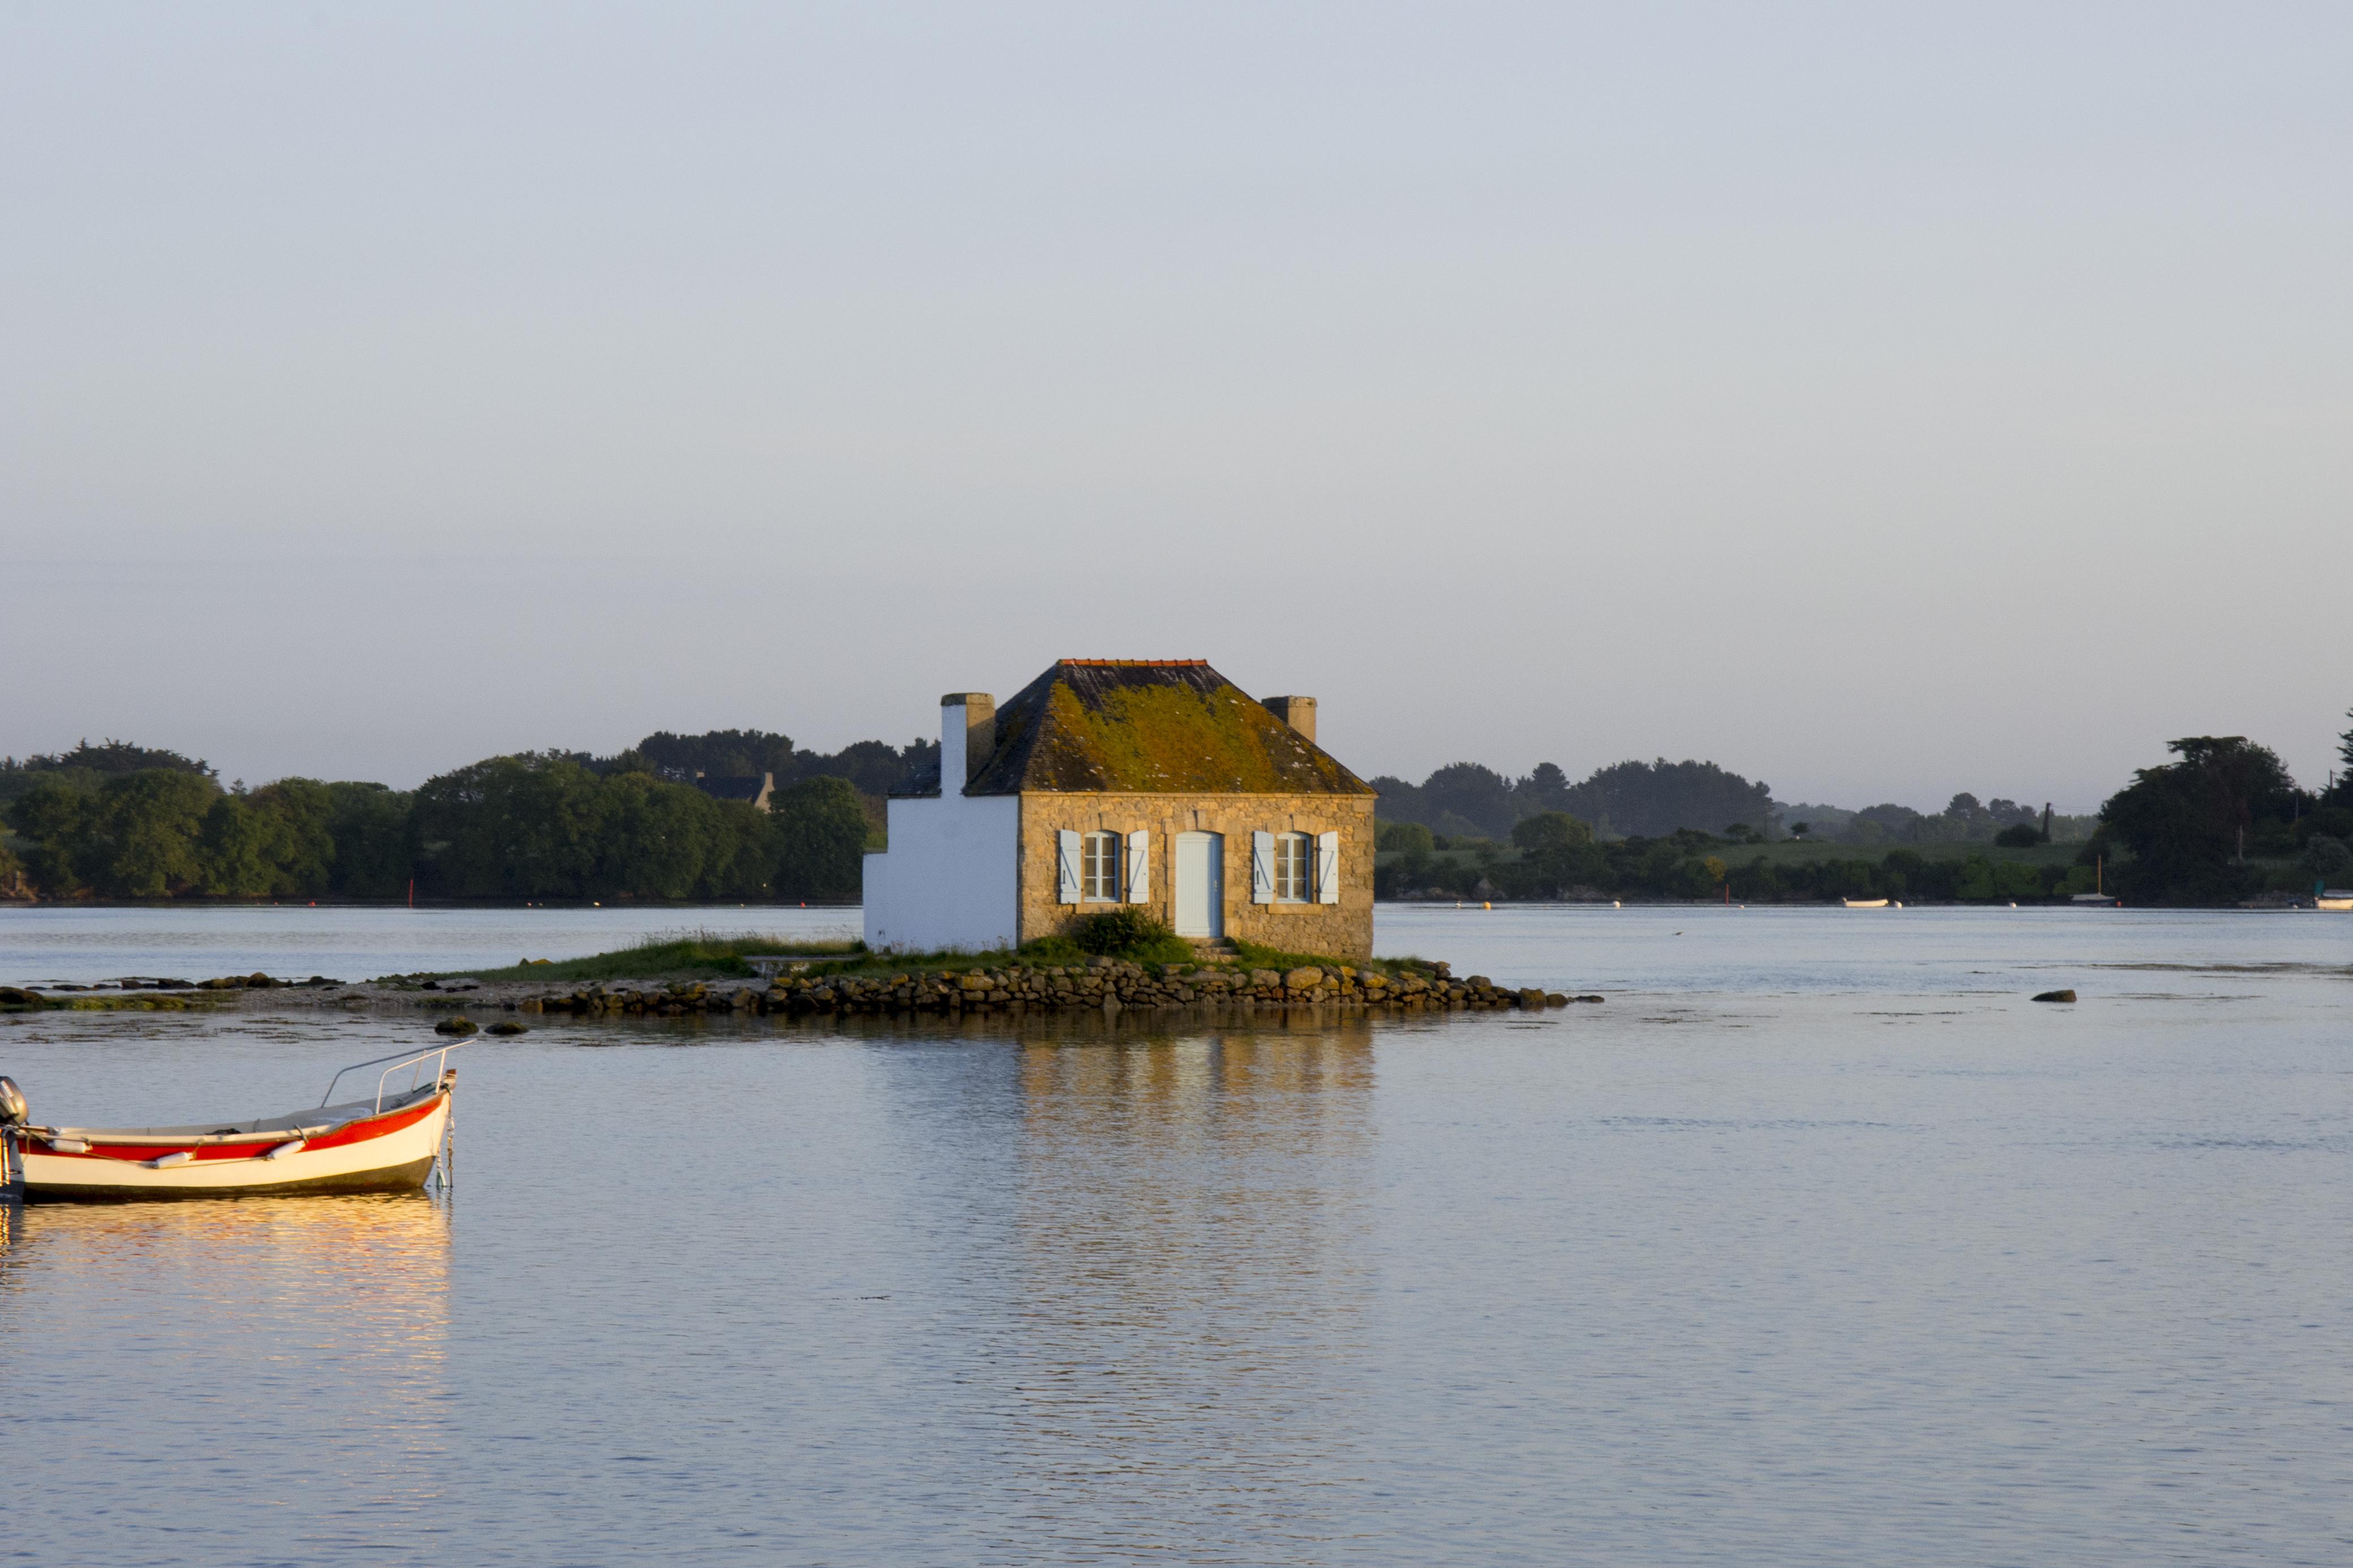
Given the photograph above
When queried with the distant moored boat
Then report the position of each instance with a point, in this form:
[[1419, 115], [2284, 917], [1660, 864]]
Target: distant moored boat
[[2338, 899], [1865, 903]]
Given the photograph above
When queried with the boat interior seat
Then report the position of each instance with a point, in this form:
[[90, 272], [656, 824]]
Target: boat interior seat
[[321, 1117]]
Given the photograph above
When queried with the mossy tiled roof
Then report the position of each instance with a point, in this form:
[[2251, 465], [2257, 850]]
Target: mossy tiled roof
[[1172, 726]]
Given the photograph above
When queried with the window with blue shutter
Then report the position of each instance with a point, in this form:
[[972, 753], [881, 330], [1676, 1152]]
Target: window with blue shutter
[[1066, 866], [1139, 867], [1327, 868], [1261, 868]]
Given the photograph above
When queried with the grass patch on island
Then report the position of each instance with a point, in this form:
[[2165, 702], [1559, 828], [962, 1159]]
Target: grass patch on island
[[1128, 937], [667, 955]]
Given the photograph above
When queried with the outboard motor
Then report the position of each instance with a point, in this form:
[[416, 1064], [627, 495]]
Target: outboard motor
[[13, 1111]]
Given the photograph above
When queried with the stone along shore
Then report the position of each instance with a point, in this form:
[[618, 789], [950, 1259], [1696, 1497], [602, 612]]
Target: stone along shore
[[1105, 984]]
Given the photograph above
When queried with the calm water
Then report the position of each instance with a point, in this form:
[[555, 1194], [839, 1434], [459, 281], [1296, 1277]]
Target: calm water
[[40, 944], [1818, 1244]]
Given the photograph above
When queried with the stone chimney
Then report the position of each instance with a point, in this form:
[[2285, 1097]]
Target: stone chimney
[[1298, 713], [967, 736]]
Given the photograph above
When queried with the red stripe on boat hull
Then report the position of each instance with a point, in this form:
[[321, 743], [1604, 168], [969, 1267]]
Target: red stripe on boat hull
[[356, 1132]]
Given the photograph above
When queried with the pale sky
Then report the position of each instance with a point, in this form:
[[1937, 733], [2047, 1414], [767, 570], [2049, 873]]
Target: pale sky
[[1877, 400]]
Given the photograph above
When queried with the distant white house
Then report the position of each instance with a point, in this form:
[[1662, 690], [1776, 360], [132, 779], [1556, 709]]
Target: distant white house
[[750, 788]]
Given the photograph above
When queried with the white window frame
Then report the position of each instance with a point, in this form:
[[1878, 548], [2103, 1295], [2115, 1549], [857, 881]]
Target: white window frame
[[1100, 855], [1294, 868]]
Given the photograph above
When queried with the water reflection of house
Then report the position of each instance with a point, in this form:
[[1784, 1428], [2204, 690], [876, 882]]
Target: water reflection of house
[[1158, 784], [754, 789]]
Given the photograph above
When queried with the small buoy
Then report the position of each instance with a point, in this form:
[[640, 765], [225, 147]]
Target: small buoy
[[1486, 906], [1616, 905], [2013, 903], [1899, 903]]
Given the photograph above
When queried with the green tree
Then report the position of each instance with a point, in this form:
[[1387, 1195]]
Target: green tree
[[744, 849], [1550, 833], [56, 815], [2341, 792], [88, 766], [143, 835], [820, 840], [305, 810], [1556, 852], [2185, 820], [511, 827], [373, 852], [240, 850], [2328, 858], [1476, 794], [658, 837], [1405, 836], [273, 842], [722, 753]]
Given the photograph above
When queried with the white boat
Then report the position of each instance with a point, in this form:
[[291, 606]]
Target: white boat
[[1865, 903], [2338, 898], [388, 1143]]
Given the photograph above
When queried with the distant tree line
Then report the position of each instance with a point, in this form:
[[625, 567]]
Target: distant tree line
[[119, 821], [1554, 855], [1964, 820], [1651, 800], [1631, 799], [2222, 823], [873, 768]]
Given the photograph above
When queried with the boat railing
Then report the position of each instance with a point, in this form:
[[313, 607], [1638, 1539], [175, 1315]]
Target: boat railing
[[415, 1061]]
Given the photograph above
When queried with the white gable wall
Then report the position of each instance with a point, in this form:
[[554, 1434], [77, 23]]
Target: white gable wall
[[949, 878]]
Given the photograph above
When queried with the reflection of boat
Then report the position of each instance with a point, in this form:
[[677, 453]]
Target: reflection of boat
[[2334, 898], [1865, 903], [389, 1144]]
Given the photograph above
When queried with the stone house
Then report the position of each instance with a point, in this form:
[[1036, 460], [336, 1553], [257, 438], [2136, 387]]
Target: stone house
[[1155, 784]]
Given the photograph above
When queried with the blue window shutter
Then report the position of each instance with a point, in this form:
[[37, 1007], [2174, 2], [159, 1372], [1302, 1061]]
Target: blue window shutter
[[1066, 866], [1139, 867], [1261, 868], [1327, 868]]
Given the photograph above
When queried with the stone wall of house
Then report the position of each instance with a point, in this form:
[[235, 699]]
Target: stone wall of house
[[1344, 930]]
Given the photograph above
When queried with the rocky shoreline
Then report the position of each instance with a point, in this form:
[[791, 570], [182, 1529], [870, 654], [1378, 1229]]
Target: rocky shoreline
[[1103, 985]]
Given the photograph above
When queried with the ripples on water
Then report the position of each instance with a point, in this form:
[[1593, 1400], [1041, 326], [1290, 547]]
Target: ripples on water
[[1881, 1264]]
